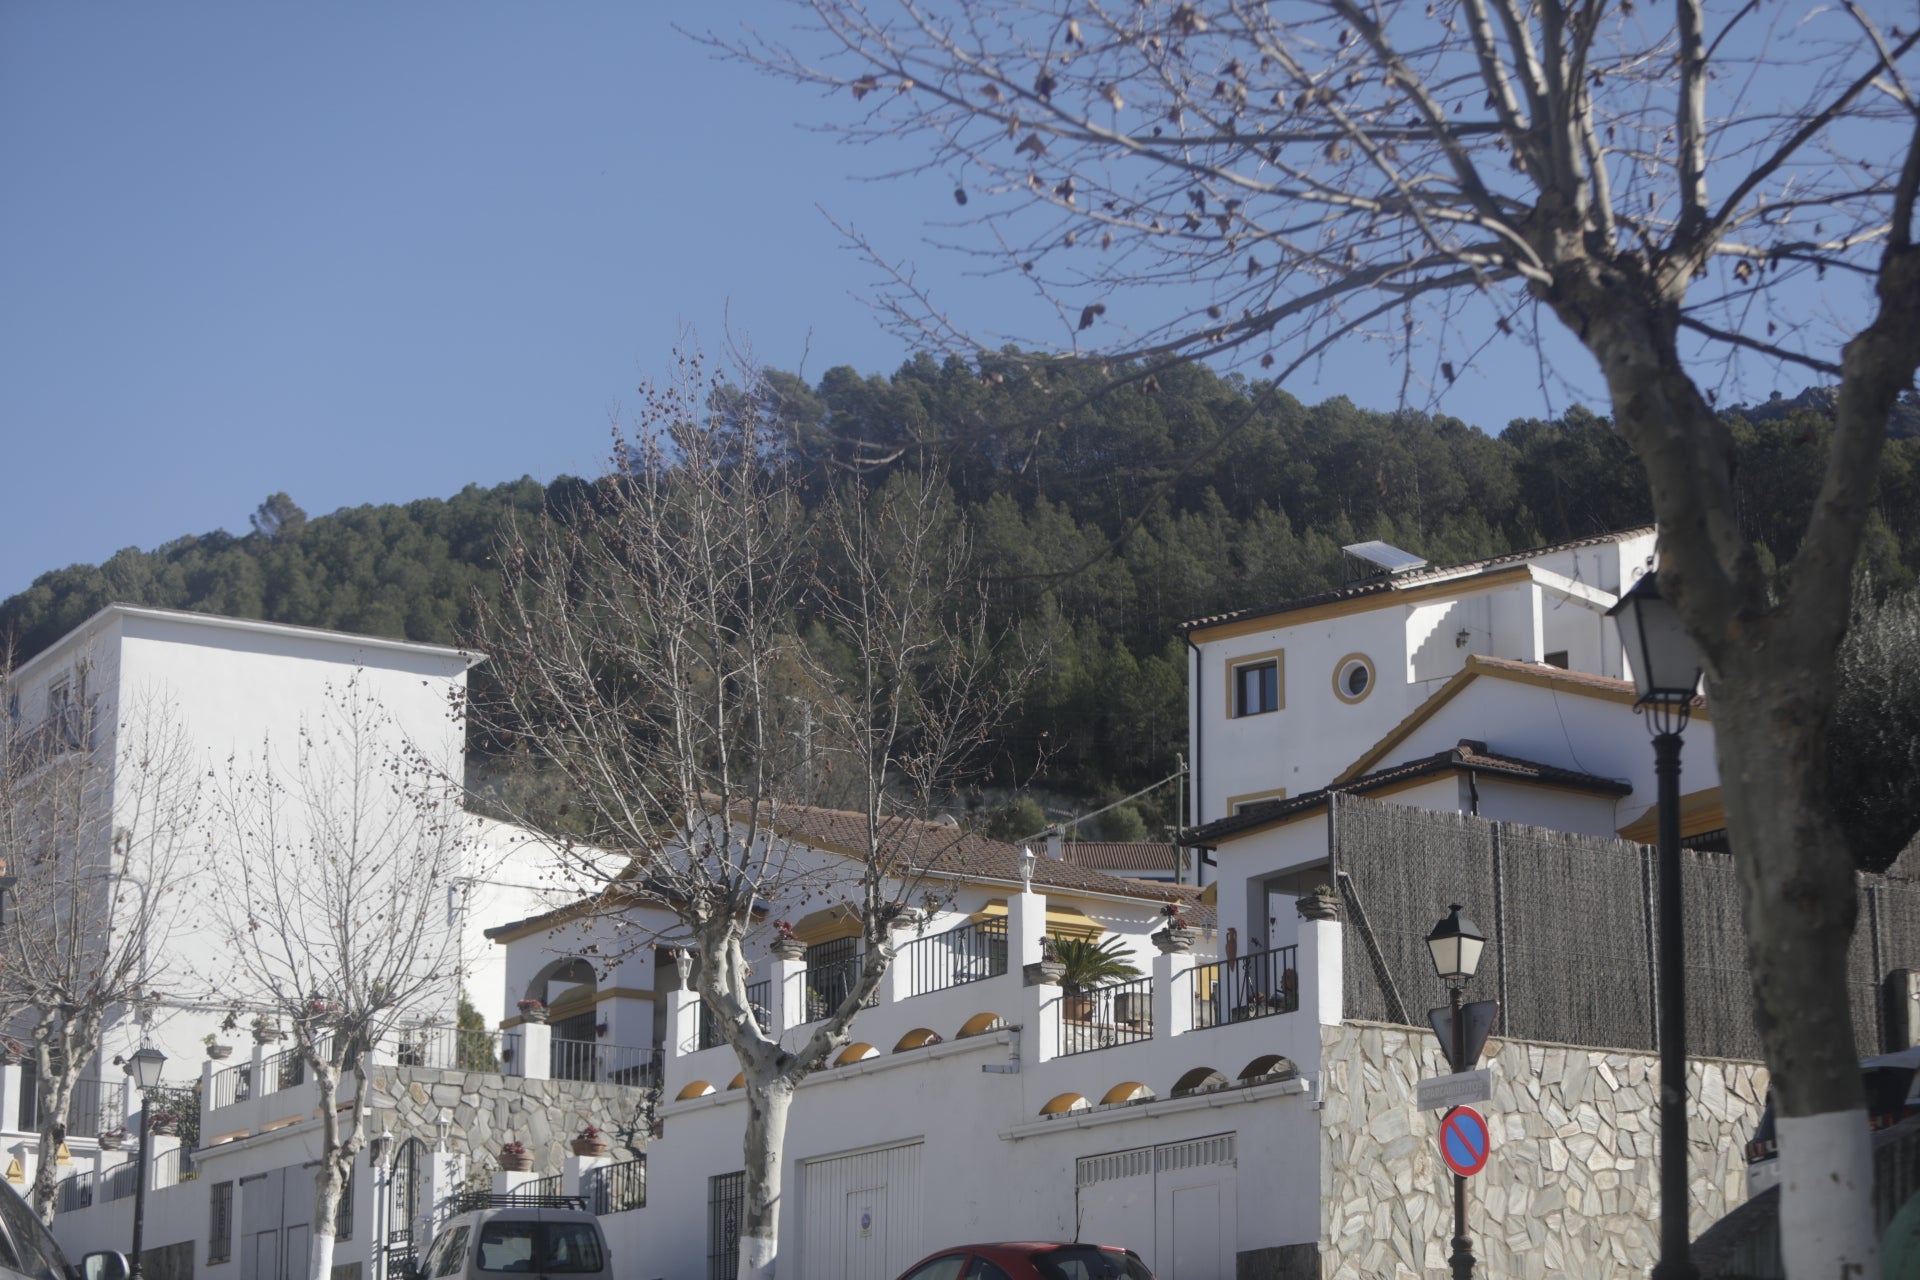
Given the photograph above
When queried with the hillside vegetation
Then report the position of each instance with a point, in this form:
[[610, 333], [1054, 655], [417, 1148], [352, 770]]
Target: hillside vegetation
[[1107, 519]]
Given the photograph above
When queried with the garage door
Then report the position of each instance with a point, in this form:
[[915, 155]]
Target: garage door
[[1173, 1204], [860, 1214]]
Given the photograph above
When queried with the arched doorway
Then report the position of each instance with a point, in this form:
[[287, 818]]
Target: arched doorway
[[567, 987]]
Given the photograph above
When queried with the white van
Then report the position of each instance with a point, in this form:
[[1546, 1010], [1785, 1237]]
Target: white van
[[540, 1237]]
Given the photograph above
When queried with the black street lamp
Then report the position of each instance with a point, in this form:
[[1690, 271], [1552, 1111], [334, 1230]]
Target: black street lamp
[[1666, 674], [146, 1074], [1456, 947]]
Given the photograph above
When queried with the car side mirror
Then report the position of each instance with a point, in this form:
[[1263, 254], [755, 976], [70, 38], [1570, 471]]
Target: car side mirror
[[105, 1265]]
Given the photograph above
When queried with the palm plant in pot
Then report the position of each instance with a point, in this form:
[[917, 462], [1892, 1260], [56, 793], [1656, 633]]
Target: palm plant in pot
[[1089, 964]]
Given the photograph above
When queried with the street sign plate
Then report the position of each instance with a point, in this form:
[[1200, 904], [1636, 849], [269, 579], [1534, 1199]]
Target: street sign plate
[[1464, 1141], [1437, 1093], [1481, 1015]]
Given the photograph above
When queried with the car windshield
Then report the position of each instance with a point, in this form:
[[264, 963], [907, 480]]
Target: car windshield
[[1084, 1262], [39, 1256], [552, 1248]]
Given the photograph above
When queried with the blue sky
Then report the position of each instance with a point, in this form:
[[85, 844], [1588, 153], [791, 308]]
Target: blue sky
[[369, 253]]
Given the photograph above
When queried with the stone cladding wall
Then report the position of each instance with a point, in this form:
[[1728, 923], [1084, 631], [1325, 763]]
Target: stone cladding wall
[[1571, 1186], [489, 1109]]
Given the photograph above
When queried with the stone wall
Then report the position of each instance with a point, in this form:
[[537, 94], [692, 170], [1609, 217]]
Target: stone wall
[[1571, 1187], [489, 1109]]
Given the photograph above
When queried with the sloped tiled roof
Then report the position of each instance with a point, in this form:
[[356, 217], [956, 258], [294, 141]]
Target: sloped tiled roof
[[1468, 755], [1120, 855], [1413, 578], [943, 849]]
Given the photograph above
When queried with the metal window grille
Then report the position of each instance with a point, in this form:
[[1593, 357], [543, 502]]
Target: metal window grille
[[833, 971], [220, 1223], [726, 1202]]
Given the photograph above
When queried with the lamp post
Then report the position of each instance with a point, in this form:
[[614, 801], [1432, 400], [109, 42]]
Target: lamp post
[[146, 1074], [1456, 946], [1666, 675]]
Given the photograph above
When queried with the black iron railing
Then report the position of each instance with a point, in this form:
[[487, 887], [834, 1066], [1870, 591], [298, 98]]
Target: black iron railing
[[829, 984], [615, 1188], [759, 995], [592, 1061], [541, 1190], [1256, 985], [1101, 1017], [93, 1107], [455, 1048], [971, 953]]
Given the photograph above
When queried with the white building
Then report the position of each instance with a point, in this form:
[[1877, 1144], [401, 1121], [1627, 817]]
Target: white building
[[1221, 1114], [233, 692]]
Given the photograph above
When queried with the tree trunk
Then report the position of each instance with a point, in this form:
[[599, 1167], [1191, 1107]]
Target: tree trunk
[[56, 1093], [1772, 681], [329, 1179], [764, 1147], [1800, 907]]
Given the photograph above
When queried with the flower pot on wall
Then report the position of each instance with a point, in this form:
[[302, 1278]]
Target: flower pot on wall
[[1176, 941], [790, 949], [219, 1052], [532, 1011], [515, 1158], [1317, 906], [594, 1145]]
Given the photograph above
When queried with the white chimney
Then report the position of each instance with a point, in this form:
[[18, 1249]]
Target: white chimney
[[1054, 836]]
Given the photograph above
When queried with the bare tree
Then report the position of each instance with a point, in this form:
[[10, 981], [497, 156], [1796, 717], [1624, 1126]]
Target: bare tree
[[704, 660], [335, 861], [94, 825], [1686, 189]]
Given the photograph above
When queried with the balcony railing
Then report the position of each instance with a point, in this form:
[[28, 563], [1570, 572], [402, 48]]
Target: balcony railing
[[1256, 985], [615, 1188], [829, 984], [456, 1049], [1101, 1017], [79, 1190], [591, 1061], [759, 995], [952, 959], [94, 1106]]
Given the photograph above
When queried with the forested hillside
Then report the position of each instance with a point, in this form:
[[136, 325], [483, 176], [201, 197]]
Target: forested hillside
[[1106, 518]]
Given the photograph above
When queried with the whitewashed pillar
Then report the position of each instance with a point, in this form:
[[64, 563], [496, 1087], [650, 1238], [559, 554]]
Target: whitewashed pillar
[[1172, 995], [789, 994], [683, 1022], [1318, 965], [534, 1058]]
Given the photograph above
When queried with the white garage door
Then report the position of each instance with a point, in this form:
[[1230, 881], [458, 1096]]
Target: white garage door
[[1172, 1204], [860, 1214]]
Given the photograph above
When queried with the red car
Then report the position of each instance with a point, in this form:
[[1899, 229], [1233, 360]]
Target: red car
[[1031, 1262]]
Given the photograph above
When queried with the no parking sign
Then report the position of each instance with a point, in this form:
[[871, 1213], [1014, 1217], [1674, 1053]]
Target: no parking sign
[[1464, 1141]]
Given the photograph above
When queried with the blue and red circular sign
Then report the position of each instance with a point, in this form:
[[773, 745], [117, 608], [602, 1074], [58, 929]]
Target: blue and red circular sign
[[1464, 1141]]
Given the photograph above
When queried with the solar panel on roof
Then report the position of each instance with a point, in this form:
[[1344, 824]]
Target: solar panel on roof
[[1377, 559]]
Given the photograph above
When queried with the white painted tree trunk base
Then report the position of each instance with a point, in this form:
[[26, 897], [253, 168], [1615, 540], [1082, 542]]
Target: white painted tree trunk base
[[320, 1259], [757, 1255], [1826, 1197]]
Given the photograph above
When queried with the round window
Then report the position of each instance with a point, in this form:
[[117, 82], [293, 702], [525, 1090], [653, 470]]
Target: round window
[[1353, 678]]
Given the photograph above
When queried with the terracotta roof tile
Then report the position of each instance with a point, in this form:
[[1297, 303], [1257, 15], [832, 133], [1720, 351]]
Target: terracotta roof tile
[[1120, 855]]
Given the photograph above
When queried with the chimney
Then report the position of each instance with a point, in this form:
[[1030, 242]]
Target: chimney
[[1054, 836]]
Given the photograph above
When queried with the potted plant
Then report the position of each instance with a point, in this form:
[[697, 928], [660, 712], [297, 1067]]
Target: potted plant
[[265, 1030], [1178, 937], [533, 1011], [215, 1049], [1087, 964], [111, 1139], [785, 944], [515, 1158], [591, 1142], [1319, 903], [162, 1123]]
